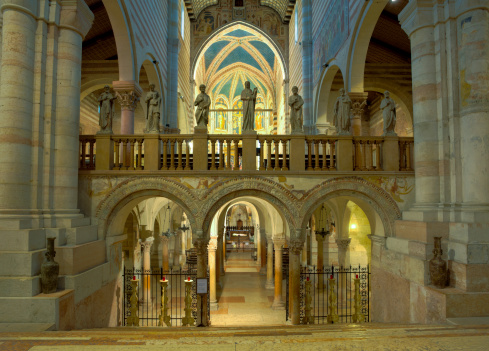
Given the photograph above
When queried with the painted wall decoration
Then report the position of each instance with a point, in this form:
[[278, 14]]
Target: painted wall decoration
[[205, 23], [332, 33]]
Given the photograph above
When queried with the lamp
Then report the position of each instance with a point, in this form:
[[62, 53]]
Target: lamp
[[168, 233], [322, 223]]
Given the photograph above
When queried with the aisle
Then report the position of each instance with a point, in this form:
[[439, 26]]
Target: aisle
[[243, 299]]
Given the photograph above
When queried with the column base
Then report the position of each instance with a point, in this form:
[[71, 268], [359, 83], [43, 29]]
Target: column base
[[269, 285], [214, 305], [263, 270], [278, 305]]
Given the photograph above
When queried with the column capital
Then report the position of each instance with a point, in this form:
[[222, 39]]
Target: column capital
[[296, 246], [201, 246], [343, 243], [278, 243], [164, 239], [358, 102], [76, 15], [376, 239], [417, 14], [212, 246], [128, 93], [146, 244]]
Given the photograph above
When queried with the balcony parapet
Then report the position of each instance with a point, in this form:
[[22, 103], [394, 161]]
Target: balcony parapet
[[245, 153]]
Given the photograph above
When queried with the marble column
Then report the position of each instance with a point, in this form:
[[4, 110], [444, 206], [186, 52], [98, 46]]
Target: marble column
[[269, 284], [176, 250], [263, 251], [212, 249], [343, 252], [278, 303], [165, 263], [295, 249], [320, 262], [218, 261], [359, 101], [128, 94], [146, 296], [200, 244]]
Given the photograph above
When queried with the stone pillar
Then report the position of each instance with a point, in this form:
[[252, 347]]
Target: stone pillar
[[307, 68], [212, 248], [176, 250], [201, 245], [128, 95], [221, 249], [278, 303], [359, 101], [165, 262], [269, 284], [146, 245], [320, 262], [218, 261], [304, 254], [343, 252], [295, 249], [263, 251]]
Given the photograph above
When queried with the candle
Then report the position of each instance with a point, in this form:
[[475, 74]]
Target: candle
[[134, 278], [163, 278], [357, 276], [307, 278], [188, 278], [331, 277]]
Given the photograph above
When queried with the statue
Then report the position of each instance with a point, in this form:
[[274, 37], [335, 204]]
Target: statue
[[153, 104], [203, 102], [107, 109], [249, 100], [388, 107], [342, 113], [296, 102]]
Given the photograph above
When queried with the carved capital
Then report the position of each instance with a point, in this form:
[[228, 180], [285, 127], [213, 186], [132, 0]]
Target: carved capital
[[296, 246], [377, 240], [212, 246], [128, 94], [201, 246], [358, 103], [164, 239], [343, 243], [278, 244], [76, 15], [146, 244]]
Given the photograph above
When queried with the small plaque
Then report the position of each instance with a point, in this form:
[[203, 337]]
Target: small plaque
[[201, 286]]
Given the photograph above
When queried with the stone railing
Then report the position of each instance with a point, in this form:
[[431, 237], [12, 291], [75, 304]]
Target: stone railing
[[260, 153]]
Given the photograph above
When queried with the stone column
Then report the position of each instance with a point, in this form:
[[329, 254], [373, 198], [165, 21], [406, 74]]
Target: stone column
[[201, 245], [263, 252], [278, 303], [212, 248], [343, 253], [146, 296], [295, 249], [359, 101], [304, 254], [176, 250], [219, 261], [165, 263], [269, 284], [128, 95], [320, 262]]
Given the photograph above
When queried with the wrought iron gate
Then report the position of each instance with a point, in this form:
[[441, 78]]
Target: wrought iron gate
[[150, 299], [344, 290]]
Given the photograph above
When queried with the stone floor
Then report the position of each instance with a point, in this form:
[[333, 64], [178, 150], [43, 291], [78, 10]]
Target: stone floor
[[324, 337]]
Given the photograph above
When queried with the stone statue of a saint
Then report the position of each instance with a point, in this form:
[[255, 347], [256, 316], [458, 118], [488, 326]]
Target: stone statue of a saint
[[203, 103], [153, 104], [296, 102], [106, 102], [388, 107], [342, 113], [249, 99]]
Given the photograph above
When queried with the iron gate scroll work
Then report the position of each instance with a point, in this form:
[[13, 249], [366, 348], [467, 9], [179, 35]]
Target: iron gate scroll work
[[343, 285], [150, 299]]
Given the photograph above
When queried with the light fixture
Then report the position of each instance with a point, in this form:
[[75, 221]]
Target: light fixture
[[166, 218], [323, 223], [353, 226]]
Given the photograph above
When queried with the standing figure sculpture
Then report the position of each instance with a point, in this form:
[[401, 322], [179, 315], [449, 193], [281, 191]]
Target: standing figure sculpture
[[388, 107], [153, 104], [107, 109], [249, 99], [203, 102], [296, 102], [342, 113]]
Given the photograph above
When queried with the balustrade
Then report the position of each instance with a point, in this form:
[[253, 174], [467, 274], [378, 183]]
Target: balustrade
[[174, 152]]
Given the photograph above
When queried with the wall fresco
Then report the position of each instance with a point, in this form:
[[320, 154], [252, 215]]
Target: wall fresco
[[332, 33]]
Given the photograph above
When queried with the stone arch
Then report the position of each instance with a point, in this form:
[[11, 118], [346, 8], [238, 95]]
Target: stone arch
[[124, 38], [273, 45], [324, 91], [357, 53], [265, 189], [354, 187], [134, 190], [93, 85]]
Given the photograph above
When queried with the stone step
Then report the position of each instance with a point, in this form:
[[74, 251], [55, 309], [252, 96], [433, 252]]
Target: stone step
[[22, 239], [26, 327], [73, 222], [81, 235], [21, 263], [20, 286], [75, 259]]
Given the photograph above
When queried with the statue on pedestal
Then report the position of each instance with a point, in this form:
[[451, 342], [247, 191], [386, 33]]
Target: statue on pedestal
[[203, 103], [153, 104], [296, 118], [342, 113], [388, 107], [249, 99], [107, 109]]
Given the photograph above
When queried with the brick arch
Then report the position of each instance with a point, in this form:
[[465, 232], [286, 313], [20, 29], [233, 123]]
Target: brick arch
[[279, 197], [354, 187], [141, 188]]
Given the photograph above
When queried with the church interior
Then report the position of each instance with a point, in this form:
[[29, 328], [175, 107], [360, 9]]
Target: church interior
[[298, 172]]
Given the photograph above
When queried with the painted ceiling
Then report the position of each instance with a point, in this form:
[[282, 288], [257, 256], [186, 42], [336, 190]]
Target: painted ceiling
[[235, 56]]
